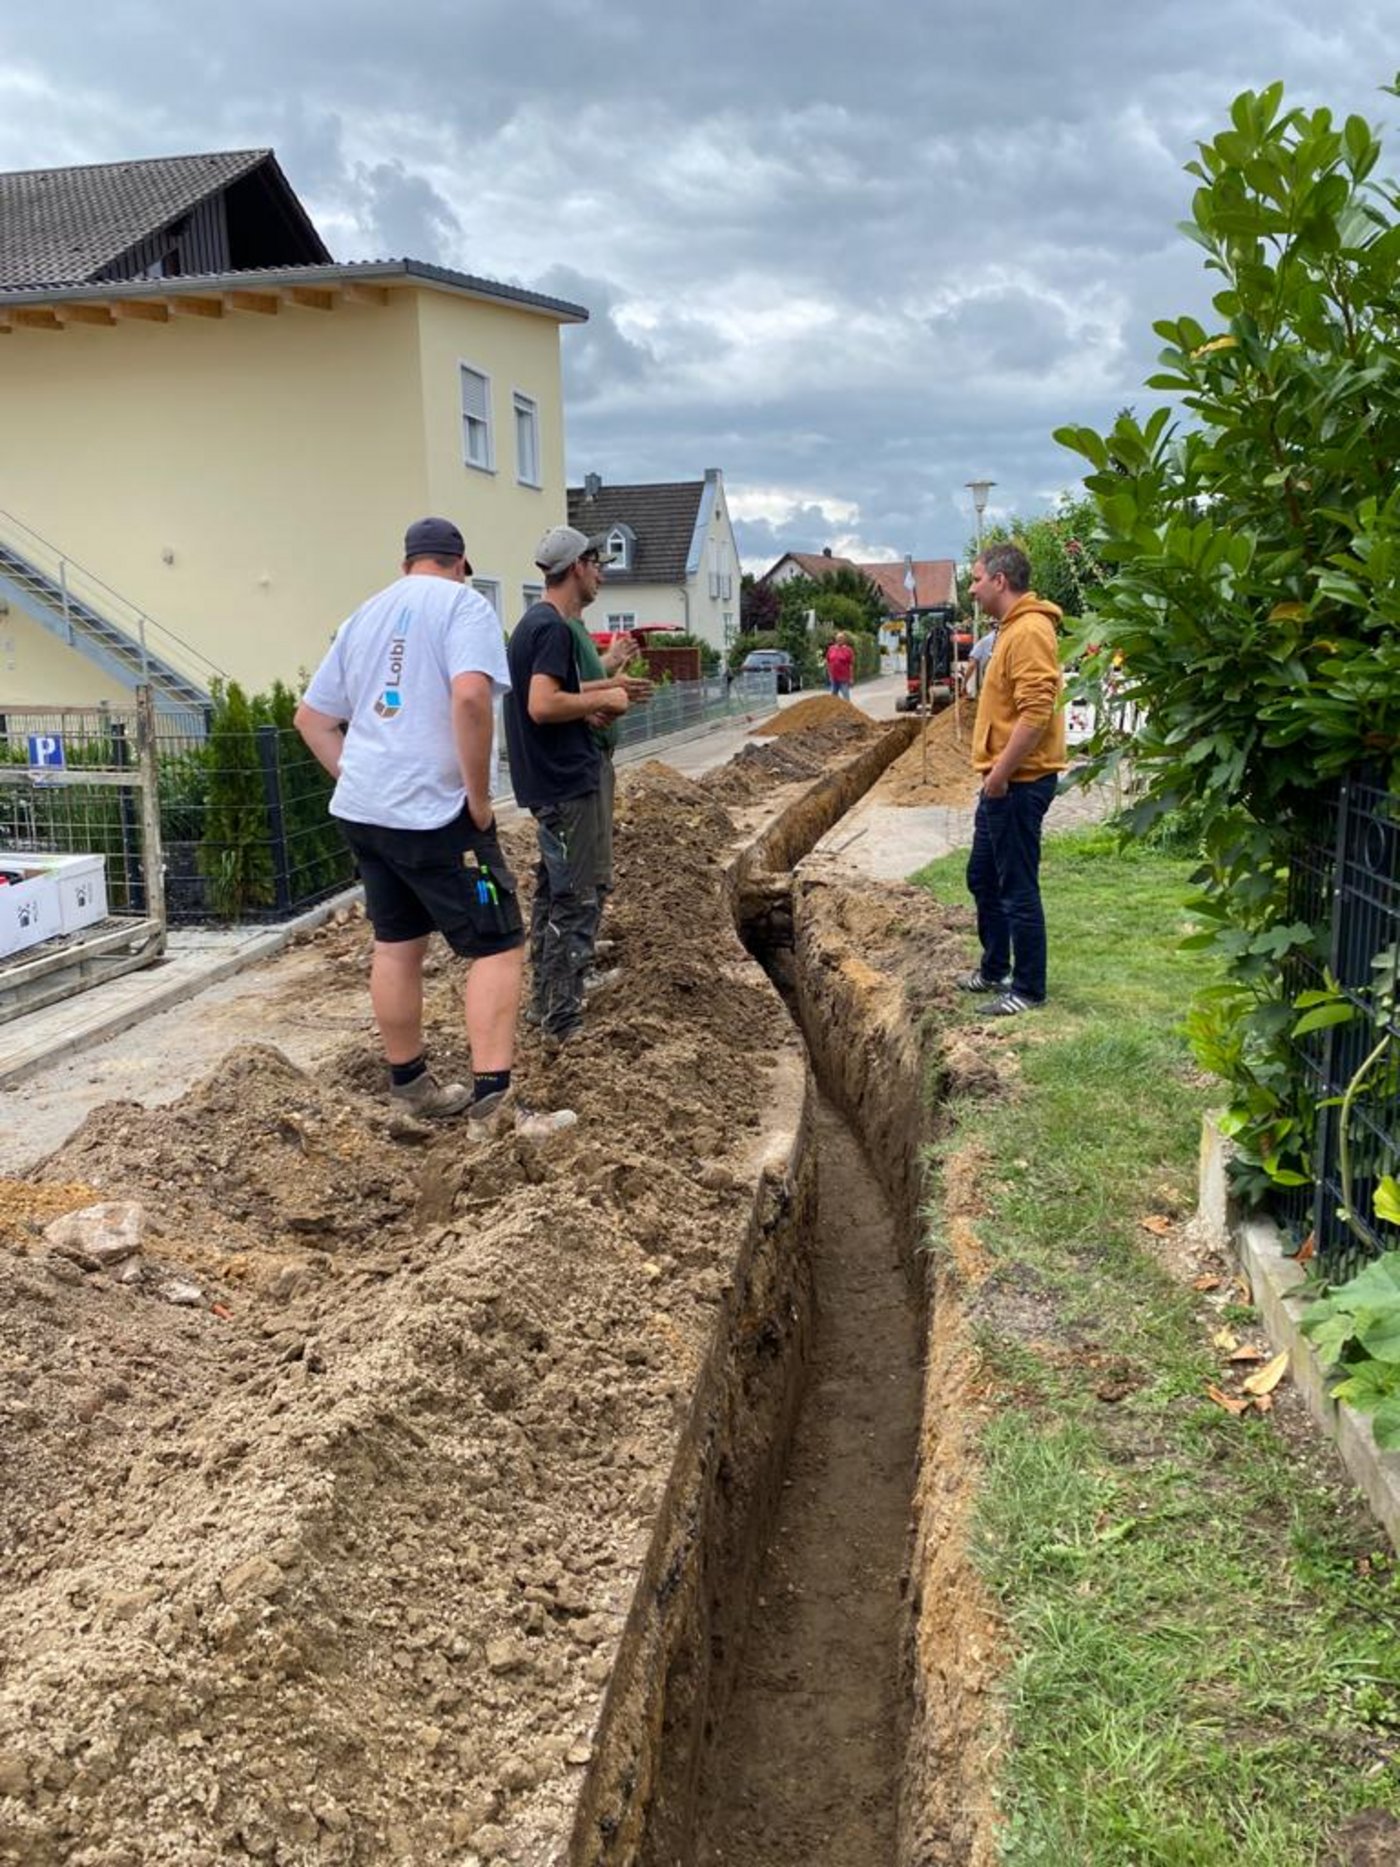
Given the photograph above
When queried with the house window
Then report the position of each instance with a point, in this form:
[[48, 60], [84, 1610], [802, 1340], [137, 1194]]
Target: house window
[[731, 634], [620, 545], [527, 440], [622, 619], [476, 418], [531, 593], [490, 589]]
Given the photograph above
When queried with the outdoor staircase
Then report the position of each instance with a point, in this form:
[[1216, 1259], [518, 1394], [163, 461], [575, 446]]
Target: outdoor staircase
[[84, 613]]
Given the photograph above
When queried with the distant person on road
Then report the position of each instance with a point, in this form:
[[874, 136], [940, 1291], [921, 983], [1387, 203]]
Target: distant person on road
[[1018, 745], [560, 720], [840, 665], [399, 713]]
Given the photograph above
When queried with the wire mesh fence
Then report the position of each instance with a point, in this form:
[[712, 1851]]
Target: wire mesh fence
[[1344, 877], [240, 802], [73, 786], [680, 705]]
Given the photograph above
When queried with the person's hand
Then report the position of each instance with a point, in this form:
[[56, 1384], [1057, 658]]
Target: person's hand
[[482, 815], [619, 652], [992, 786], [637, 687], [612, 703]]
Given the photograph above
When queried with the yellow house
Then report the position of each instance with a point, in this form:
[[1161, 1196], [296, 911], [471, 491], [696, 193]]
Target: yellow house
[[214, 437]]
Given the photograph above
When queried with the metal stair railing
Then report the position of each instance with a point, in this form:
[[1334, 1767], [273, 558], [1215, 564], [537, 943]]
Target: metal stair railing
[[75, 603]]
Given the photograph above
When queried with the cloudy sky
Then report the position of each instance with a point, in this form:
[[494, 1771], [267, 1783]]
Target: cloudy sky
[[853, 255]]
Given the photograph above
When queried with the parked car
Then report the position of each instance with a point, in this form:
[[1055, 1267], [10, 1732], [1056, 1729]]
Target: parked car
[[774, 661]]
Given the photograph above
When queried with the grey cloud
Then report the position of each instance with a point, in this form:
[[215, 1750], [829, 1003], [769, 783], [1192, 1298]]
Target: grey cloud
[[405, 213], [598, 359]]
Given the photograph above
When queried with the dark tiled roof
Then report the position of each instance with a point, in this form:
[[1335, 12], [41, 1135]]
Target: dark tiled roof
[[62, 226], [662, 517]]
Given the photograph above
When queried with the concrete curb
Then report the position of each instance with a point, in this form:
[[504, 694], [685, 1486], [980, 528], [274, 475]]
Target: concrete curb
[[151, 993], [1274, 1278]]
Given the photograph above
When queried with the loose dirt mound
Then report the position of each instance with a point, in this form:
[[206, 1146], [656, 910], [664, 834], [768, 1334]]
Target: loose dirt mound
[[806, 715], [942, 775], [835, 729], [328, 1560]]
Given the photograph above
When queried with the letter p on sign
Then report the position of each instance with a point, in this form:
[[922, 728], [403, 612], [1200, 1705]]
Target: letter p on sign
[[45, 751]]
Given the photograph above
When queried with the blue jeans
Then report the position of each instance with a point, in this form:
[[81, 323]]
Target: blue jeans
[[1003, 878]]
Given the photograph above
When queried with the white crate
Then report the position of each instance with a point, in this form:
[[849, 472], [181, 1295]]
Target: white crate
[[82, 889], [28, 909]]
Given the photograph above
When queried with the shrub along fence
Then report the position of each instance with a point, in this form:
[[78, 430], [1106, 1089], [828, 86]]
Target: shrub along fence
[[243, 810], [1344, 880]]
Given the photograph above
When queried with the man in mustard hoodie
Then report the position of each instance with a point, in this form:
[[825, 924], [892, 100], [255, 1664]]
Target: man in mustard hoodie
[[1018, 745]]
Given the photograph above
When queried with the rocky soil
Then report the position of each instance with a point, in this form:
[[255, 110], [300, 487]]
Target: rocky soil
[[323, 1507]]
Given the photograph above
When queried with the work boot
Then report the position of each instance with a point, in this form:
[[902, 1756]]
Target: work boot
[[426, 1096], [595, 983], [496, 1115]]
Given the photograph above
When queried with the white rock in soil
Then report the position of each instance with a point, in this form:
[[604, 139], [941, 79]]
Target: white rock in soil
[[182, 1292], [108, 1232]]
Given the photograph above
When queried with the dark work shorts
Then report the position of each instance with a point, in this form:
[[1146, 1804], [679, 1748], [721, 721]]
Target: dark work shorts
[[453, 881]]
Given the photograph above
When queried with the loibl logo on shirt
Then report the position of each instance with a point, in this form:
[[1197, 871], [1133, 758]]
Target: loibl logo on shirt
[[390, 702]]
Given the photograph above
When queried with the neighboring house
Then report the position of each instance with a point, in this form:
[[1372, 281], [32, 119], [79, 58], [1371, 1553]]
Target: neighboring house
[[674, 555], [935, 579], [209, 416]]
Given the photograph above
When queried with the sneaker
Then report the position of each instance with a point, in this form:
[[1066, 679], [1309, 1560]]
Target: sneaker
[[979, 982], [493, 1115], [595, 982], [1012, 1004], [425, 1095], [602, 948]]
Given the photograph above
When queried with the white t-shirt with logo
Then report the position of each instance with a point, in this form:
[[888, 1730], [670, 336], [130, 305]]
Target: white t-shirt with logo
[[389, 674]]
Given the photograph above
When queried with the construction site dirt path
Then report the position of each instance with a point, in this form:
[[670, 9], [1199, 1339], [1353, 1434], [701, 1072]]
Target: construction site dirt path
[[806, 1773]]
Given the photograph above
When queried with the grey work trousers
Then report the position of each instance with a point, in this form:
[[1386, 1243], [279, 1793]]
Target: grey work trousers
[[572, 879]]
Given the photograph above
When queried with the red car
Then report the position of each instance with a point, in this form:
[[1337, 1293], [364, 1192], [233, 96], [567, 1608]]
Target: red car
[[604, 638]]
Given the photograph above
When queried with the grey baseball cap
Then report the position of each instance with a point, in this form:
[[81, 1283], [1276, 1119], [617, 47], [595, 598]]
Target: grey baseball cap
[[563, 546], [434, 538]]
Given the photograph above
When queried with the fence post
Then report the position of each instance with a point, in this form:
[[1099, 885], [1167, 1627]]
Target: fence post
[[1325, 1128], [152, 850], [131, 829], [276, 823]]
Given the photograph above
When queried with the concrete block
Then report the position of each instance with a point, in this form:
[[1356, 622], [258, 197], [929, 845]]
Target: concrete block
[[1274, 1279]]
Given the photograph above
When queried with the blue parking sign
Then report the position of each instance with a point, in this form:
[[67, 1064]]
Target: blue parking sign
[[45, 751]]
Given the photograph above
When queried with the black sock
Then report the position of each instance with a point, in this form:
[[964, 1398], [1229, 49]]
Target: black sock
[[489, 1083], [401, 1073]]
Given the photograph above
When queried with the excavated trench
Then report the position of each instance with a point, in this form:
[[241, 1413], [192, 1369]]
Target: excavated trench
[[788, 1712], [607, 1508]]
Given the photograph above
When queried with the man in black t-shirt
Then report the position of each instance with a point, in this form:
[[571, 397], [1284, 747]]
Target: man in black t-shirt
[[556, 772]]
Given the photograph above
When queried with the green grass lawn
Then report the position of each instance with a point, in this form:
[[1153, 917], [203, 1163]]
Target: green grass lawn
[[1204, 1633]]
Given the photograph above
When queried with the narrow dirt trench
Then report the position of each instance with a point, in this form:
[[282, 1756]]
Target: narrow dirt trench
[[804, 1770]]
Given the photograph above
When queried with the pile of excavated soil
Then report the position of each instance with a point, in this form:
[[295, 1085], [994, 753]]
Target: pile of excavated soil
[[942, 774], [321, 1516], [797, 755], [805, 715]]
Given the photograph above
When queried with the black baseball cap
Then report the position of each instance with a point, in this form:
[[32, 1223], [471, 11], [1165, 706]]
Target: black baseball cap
[[434, 538]]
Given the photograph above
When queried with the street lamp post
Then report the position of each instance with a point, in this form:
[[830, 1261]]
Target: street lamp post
[[979, 490]]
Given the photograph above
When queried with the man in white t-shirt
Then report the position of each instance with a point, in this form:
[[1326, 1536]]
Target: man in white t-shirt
[[400, 715]]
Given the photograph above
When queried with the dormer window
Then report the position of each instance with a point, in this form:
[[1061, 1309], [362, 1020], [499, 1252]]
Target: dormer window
[[622, 544]]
